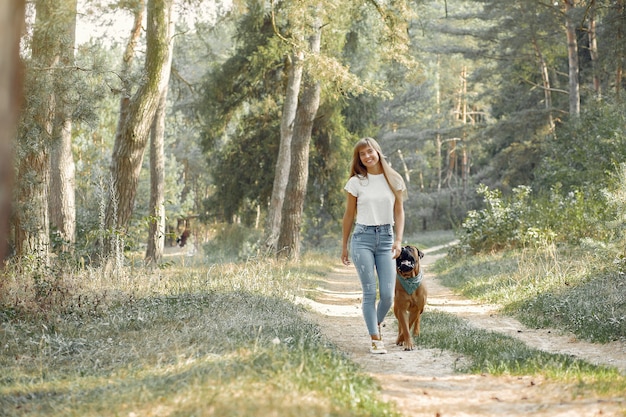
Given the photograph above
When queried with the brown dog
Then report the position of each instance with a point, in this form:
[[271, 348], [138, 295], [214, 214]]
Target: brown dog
[[410, 295]]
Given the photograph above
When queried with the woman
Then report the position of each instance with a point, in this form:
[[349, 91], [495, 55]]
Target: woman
[[375, 194]]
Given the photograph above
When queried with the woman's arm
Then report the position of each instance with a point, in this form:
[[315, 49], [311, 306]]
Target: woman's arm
[[348, 222], [398, 215]]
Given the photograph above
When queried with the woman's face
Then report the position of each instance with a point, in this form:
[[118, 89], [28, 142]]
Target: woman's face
[[369, 157]]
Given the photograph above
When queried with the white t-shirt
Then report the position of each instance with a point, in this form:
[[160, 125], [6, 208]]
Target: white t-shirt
[[375, 200]]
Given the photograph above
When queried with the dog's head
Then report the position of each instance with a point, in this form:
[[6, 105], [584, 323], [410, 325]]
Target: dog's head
[[408, 263]]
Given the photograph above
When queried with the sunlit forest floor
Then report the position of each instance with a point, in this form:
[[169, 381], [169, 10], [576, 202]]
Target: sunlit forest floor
[[263, 337]]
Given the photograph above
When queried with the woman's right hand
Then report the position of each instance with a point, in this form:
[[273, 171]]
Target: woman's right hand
[[344, 257]]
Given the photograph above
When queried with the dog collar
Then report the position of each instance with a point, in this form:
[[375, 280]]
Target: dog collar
[[410, 285]]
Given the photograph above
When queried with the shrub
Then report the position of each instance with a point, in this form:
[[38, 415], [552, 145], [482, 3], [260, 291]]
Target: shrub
[[523, 219], [233, 242], [501, 224]]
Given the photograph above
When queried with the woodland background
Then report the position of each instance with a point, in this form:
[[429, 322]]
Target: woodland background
[[235, 122]]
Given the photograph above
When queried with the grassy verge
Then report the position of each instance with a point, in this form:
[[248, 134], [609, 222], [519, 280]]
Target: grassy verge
[[577, 290], [227, 339], [430, 239], [483, 351], [222, 340]]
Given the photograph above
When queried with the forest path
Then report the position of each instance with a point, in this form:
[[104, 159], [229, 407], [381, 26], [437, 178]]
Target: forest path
[[423, 382]]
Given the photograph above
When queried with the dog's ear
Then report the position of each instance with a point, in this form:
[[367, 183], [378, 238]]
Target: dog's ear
[[420, 253]]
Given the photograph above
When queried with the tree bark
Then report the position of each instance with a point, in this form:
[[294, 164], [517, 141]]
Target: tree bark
[[62, 205], [283, 163], [545, 77], [156, 232], [572, 53], [438, 136], [593, 49], [11, 25], [620, 16], [465, 145], [289, 238], [132, 135], [32, 223]]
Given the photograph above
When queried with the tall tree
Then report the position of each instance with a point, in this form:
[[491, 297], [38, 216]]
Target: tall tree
[[593, 47], [283, 163], [618, 20], [156, 231], [62, 206], [11, 25], [133, 129], [156, 219], [32, 223], [289, 238], [569, 7]]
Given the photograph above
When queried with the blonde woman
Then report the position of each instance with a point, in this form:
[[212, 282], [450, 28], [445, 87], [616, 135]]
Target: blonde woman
[[375, 194]]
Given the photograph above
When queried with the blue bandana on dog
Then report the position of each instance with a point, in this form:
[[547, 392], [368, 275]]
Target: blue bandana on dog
[[411, 284]]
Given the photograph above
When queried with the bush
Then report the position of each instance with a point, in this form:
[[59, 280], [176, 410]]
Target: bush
[[233, 242], [523, 219], [584, 150], [501, 224]]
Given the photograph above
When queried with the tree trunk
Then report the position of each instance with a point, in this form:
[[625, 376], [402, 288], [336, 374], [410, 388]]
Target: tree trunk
[[405, 168], [620, 16], [438, 136], [289, 238], [62, 206], [132, 136], [451, 158], [545, 77], [32, 223], [593, 49], [572, 53], [156, 232], [283, 163], [11, 24], [464, 151]]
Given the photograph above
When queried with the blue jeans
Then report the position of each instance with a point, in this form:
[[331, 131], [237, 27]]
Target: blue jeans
[[371, 254]]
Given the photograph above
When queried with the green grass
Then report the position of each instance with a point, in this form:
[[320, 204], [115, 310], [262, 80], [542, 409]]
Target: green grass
[[220, 340], [577, 290], [227, 339], [429, 239], [491, 352]]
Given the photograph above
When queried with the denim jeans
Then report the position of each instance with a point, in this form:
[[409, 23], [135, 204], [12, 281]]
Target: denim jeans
[[371, 254]]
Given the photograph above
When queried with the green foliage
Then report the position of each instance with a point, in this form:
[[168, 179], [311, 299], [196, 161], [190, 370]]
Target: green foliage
[[250, 75], [585, 150], [524, 219], [574, 216], [243, 169], [501, 224], [615, 195], [329, 158], [233, 242]]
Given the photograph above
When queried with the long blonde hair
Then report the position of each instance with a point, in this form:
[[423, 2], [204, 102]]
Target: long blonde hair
[[394, 179]]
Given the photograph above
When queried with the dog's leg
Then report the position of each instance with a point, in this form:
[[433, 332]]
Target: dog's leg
[[414, 322], [408, 339], [404, 333], [403, 325], [416, 313], [399, 316]]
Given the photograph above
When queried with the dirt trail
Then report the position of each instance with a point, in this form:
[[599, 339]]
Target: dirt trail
[[423, 382]]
